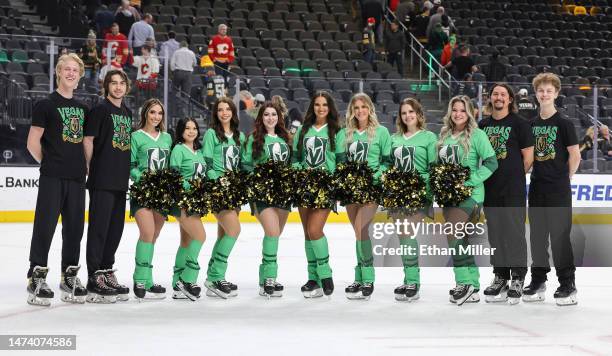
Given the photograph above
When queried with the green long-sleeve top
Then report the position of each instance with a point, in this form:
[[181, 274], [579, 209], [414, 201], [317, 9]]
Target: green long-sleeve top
[[414, 154], [451, 151], [189, 163], [316, 149], [274, 148], [149, 153], [374, 151], [220, 156]]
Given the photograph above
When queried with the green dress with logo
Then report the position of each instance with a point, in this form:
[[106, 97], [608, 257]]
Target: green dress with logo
[[190, 164]]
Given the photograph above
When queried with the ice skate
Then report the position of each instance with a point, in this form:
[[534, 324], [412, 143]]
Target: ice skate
[[123, 292], [566, 294], [407, 292], [190, 290], [219, 288], [39, 292], [312, 290], [515, 292], [98, 291], [72, 291], [534, 292], [497, 292], [271, 288]]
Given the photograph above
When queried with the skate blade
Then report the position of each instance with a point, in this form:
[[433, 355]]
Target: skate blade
[[500, 298], [74, 299], [185, 293], [514, 301], [217, 292], [101, 299], [178, 295], [213, 295], [317, 293], [275, 294], [474, 298], [354, 296], [538, 297], [564, 302], [42, 302], [123, 297], [462, 301], [404, 298], [155, 296]]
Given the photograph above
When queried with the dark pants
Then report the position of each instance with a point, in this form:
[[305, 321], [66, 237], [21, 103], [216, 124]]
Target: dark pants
[[369, 55], [506, 230], [58, 196], [396, 57], [106, 220], [222, 69], [550, 214], [182, 80]]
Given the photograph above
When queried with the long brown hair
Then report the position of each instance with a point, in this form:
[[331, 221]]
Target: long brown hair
[[418, 109], [146, 107], [259, 133], [215, 124], [333, 126], [513, 108]]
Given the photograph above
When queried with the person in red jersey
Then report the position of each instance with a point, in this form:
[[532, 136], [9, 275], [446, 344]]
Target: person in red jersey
[[118, 43], [221, 51]]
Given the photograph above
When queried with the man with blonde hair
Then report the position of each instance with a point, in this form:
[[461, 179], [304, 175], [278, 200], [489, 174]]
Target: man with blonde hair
[[55, 141], [556, 159]]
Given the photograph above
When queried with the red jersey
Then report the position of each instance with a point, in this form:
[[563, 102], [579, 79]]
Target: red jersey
[[119, 46], [221, 49]]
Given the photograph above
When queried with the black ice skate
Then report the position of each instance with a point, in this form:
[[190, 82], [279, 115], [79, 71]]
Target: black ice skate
[[328, 286], [407, 292], [190, 290], [353, 291], [71, 288], [220, 288], [312, 289], [123, 292], [462, 293], [566, 294], [233, 293], [515, 292], [474, 298], [177, 293], [271, 288], [139, 291], [498, 291], [534, 292], [39, 292], [98, 291]]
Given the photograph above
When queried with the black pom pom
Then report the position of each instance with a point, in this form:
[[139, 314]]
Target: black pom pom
[[272, 183], [403, 193], [448, 183], [313, 189], [196, 200], [354, 183], [229, 192], [159, 190]]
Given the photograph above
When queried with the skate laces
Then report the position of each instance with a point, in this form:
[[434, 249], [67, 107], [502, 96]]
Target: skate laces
[[460, 288], [516, 285], [411, 286], [355, 285], [269, 282], [101, 280], [498, 282], [224, 283]]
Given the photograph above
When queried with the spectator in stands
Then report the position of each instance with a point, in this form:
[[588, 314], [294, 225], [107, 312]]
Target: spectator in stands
[[118, 44], [496, 71], [421, 22], [221, 51], [181, 64], [436, 42], [107, 67], [368, 42], [405, 13], [125, 16], [437, 19], [148, 71], [463, 64], [296, 118], [258, 100], [436, 5], [168, 47], [527, 108], [373, 9], [90, 55], [150, 42], [139, 33], [604, 146], [281, 107], [104, 19], [215, 88], [395, 42], [449, 49]]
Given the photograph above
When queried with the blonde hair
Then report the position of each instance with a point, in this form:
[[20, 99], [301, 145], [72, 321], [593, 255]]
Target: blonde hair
[[547, 78], [448, 125], [65, 58], [418, 109], [351, 121]]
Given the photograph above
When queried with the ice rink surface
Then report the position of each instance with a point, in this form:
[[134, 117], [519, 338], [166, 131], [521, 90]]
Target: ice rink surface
[[291, 325]]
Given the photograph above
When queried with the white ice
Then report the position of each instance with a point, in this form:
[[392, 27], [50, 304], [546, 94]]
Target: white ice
[[292, 325]]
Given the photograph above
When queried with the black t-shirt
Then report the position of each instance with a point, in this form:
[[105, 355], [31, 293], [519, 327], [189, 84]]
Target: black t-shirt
[[62, 142], [461, 66], [527, 109], [508, 137], [550, 165], [111, 126]]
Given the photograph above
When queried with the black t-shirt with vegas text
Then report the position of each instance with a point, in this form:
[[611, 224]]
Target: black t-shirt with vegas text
[[111, 128], [62, 141], [550, 165]]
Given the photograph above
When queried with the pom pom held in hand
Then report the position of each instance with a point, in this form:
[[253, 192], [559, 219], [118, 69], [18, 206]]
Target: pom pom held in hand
[[313, 189], [403, 193], [229, 192], [353, 183], [158, 190], [272, 183], [196, 200], [448, 183]]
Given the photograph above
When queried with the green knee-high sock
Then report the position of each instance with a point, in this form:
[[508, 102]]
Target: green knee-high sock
[[192, 267], [144, 251], [312, 261], [321, 251], [410, 260], [212, 253], [367, 260], [475, 274], [149, 283], [462, 263], [269, 265], [358, 277], [179, 264], [218, 267]]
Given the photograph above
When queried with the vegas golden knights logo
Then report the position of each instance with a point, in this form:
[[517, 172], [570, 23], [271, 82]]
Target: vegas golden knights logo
[[449, 154], [231, 157], [198, 170], [315, 151], [157, 158], [403, 158], [278, 151], [358, 151]]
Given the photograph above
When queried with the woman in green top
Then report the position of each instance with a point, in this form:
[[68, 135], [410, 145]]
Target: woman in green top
[[462, 142], [364, 140], [187, 158], [315, 145], [413, 149], [150, 148], [268, 141], [221, 149]]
